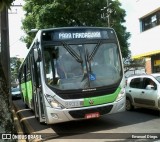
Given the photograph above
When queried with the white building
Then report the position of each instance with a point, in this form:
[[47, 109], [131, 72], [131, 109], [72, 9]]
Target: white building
[[147, 40]]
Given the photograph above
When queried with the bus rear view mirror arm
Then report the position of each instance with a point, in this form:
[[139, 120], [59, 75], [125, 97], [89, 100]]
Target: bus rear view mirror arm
[[37, 54]]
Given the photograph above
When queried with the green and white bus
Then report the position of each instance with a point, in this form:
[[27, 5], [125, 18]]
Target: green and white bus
[[73, 73]]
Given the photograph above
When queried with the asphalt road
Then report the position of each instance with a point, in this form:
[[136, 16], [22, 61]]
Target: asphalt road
[[137, 125]]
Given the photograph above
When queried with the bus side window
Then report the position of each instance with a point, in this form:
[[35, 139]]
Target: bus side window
[[25, 74], [35, 73], [38, 81]]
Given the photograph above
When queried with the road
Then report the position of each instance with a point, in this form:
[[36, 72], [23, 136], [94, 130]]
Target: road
[[137, 124]]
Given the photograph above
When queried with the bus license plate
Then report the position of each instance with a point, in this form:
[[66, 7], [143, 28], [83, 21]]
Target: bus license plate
[[92, 115]]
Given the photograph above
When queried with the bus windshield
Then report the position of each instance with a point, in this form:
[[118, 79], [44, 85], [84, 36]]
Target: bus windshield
[[82, 66]]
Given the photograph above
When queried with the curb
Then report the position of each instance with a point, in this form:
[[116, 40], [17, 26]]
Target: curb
[[17, 125]]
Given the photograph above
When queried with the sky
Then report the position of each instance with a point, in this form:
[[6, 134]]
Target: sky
[[132, 23], [18, 48]]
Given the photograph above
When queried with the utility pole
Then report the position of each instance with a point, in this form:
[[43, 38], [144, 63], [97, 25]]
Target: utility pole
[[4, 44], [5, 54], [108, 14], [106, 11], [6, 118]]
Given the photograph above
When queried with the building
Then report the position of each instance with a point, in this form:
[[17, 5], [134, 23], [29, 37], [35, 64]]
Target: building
[[147, 40]]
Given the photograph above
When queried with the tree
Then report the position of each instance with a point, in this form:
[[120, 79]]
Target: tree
[[6, 119], [14, 65], [64, 13], [134, 64]]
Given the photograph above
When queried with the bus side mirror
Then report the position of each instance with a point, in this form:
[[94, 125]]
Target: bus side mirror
[[37, 55]]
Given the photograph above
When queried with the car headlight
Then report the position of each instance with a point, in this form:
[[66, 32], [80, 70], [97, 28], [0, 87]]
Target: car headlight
[[121, 94], [53, 102]]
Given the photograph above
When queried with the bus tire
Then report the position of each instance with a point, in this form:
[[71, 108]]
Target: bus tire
[[38, 111], [25, 105]]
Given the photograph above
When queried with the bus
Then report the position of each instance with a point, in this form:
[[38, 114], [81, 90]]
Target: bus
[[73, 73]]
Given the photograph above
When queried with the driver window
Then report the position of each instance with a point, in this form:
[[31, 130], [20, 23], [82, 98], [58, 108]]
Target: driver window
[[48, 67], [149, 83]]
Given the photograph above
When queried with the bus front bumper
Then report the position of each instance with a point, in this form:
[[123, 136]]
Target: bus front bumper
[[64, 115]]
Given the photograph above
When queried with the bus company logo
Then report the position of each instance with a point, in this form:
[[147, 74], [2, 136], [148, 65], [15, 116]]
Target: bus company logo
[[90, 89], [91, 102]]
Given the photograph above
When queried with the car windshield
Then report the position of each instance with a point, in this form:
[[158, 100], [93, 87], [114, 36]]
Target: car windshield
[[158, 78], [15, 89], [81, 66]]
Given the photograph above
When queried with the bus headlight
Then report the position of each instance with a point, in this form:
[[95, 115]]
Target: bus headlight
[[121, 94], [53, 102]]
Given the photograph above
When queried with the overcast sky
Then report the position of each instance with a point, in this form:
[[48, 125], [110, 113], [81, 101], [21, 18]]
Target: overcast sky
[[17, 47], [132, 22]]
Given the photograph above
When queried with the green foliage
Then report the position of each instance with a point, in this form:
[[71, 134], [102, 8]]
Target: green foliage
[[42, 14], [133, 64], [14, 66]]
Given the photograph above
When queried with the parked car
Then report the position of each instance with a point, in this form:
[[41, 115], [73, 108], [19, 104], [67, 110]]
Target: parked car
[[143, 91], [16, 93]]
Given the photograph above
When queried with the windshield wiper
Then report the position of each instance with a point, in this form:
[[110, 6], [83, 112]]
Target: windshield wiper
[[94, 51], [72, 52], [88, 59]]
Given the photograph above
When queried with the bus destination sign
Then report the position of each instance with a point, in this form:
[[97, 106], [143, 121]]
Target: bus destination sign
[[77, 34], [63, 35], [92, 34]]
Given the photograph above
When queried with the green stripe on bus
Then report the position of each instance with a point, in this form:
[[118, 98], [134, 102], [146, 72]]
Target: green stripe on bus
[[29, 90], [23, 87], [102, 99]]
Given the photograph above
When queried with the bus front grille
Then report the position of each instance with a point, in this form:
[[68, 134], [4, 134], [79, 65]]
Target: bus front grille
[[79, 94]]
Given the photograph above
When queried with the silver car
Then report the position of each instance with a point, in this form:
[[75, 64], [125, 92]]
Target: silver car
[[16, 93], [143, 91]]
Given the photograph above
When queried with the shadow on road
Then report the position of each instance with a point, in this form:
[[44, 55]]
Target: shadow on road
[[107, 122]]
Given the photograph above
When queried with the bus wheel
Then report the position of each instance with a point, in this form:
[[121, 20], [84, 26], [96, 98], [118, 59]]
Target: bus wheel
[[26, 106], [129, 105], [36, 110], [22, 97], [34, 106], [39, 109]]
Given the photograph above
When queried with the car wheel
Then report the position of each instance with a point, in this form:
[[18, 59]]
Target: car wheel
[[129, 105]]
